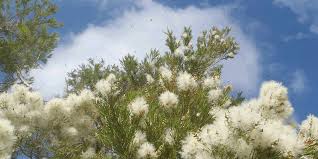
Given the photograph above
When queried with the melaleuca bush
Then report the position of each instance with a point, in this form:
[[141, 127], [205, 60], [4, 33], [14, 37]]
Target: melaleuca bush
[[188, 113], [60, 122], [249, 123], [170, 105]]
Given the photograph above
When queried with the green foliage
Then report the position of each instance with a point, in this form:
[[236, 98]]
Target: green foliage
[[26, 38], [312, 149]]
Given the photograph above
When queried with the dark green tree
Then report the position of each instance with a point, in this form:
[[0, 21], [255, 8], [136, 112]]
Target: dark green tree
[[26, 38]]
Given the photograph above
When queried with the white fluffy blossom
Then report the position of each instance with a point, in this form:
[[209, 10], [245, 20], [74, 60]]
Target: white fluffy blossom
[[216, 133], [231, 55], [56, 107], [169, 136], [186, 81], [139, 138], [191, 146], [185, 35], [214, 94], [149, 79], [180, 51], [104, 86], [146, 150], [309, 128], [274, 101], [89, 153], [277, 135], [85, 96], [243, 117], [138, 106], [242, 149], [166, 74], [212, 82], [70, 131], [7, 138], [111, 78], [168, 99]]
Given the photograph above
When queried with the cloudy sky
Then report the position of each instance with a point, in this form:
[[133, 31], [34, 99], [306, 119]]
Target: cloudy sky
[[277, 38]]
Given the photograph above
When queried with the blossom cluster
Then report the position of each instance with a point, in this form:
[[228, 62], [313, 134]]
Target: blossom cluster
[[241, 130], [60, 121], [260, 123]]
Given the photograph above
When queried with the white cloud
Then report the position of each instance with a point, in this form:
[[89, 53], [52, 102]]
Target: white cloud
[[298, 36], [107, 4], [298, 82], [306, 10], [137, 31]]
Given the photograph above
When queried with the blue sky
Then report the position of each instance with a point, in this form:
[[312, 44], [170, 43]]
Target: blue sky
[[278, 39]]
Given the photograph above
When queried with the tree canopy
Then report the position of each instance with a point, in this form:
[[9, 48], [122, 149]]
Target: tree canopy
[[26, 38]]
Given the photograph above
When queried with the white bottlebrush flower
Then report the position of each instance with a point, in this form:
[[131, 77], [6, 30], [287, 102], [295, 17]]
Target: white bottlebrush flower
[[85, 96], [103, 87], [231, 55], [56, 108], [161, 83], [89, 153], [70, 131], [242, 149], [166, 74], [19, 92], [227, 103], [309, 128], [214, 94], [149, 79], [139, 138], [275, 134], [138, 106], [7, 138], [146, 150], [4, 99], [217, 112], [212, 82], [169, 136], [274, 101], [179, 51], [204, 155], [190, 147], [168, 99], [190, 45], [216, 133], [111, 78], [184, 35], [25, 130], [244, 118], [186, 81]]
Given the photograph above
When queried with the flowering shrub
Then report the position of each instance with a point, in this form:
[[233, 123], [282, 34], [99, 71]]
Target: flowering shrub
[[167, 106]]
